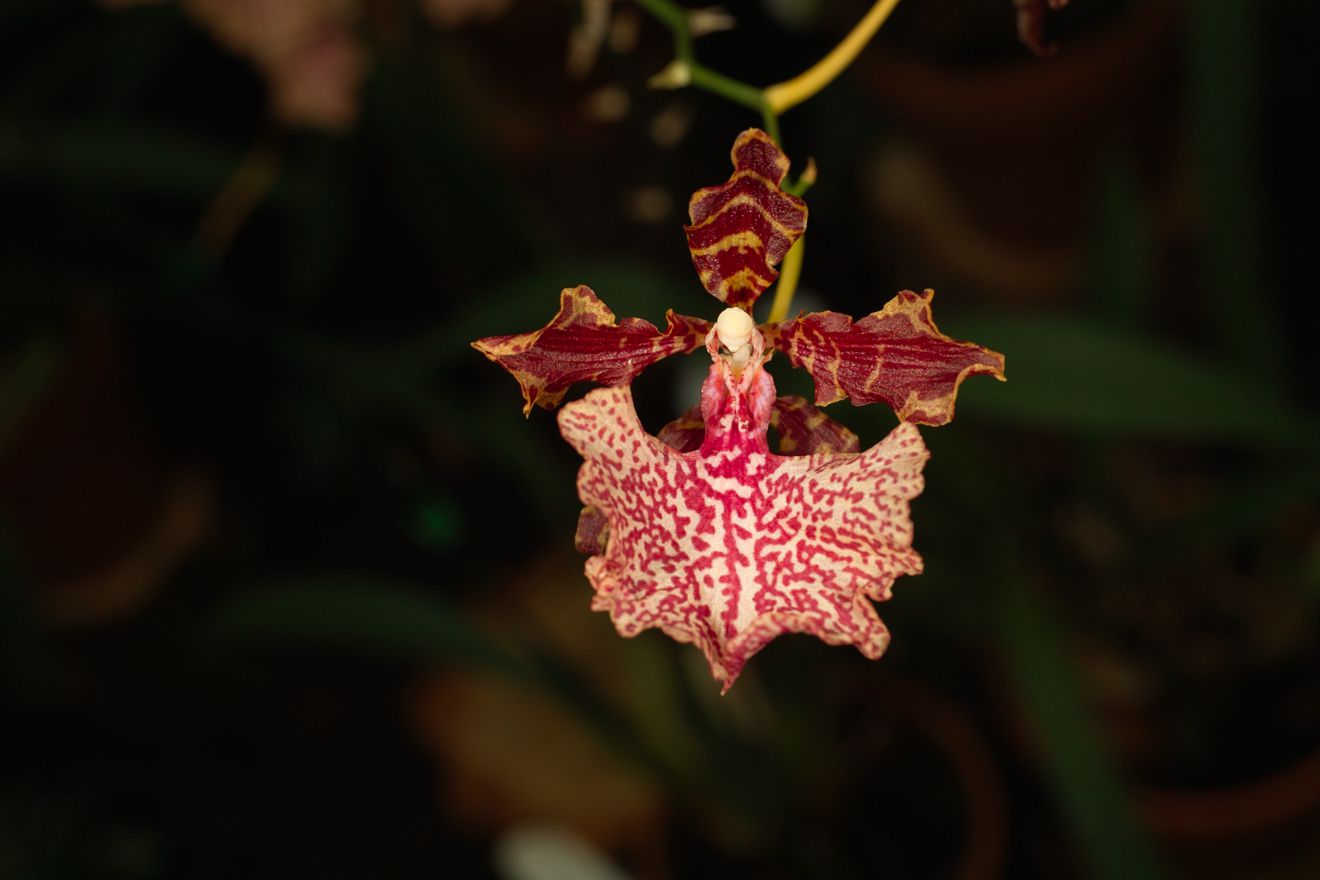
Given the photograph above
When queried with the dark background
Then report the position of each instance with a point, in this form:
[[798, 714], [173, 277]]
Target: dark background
[[288, 583]]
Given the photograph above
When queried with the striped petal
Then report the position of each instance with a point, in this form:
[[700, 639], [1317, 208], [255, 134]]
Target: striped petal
[[805, 430], [743, 227], [582, 343], [896, 355]]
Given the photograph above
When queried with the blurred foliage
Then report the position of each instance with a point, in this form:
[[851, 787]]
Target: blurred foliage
[[1121, 541]]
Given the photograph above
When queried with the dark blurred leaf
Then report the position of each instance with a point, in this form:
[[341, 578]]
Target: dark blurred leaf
[[24, 665], [379, 618], [457, 200], [1081, 775], [1224, 91], [365, 615], [1246, 506], [1119, 268], [138, 159], [1071, 375], [22, 380]]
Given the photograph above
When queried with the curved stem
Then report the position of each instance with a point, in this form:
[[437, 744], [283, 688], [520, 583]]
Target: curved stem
[[676, 19], [789, 273], [790, 93], [739, 92]]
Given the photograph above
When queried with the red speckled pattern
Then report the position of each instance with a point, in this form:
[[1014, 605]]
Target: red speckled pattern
[[896, 355], [729, 546], [743, 227], [582, 343], [802, 429]]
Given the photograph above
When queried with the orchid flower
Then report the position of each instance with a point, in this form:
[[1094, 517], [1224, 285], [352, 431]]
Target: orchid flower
[[702, 531]]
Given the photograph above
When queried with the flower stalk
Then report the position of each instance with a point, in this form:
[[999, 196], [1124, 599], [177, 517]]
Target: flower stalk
[[792, 92], [789, 272]]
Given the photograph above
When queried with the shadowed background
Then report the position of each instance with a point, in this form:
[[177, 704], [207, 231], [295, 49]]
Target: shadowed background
[[287, 583]]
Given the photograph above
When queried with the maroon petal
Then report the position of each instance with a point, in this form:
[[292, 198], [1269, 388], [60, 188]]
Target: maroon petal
[[805, 430], [583, 344], [743, 227], [896, 355], [685, 432], [593, 531]]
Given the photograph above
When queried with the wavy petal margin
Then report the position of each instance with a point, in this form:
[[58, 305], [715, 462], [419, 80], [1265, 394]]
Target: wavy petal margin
[[743, 227], [729, 546], [896, 355], [582, 343]]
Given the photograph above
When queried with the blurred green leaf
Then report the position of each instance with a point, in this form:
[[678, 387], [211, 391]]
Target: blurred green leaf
[[1224, 91], [379, 618], [24, 663], [1245, 506], [1119, 266], [1082, 778], [366, 615], [1072, 375], [458, 202], [144, 160], [21, 382]]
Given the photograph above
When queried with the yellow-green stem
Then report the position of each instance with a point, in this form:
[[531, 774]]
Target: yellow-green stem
[[789, 273], [790, 93]]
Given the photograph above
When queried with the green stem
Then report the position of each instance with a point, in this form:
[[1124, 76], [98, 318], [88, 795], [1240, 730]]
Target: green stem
[[727, 87], [675, 18]]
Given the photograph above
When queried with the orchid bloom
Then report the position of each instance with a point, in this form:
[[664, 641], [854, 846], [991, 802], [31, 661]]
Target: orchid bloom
[[703, 531]]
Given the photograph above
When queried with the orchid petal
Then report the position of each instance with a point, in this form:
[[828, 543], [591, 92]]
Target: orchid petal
[[896, 355], [743, 227], [685, 432], [805, 430], [593, 531], [582, 343], [729, 546]]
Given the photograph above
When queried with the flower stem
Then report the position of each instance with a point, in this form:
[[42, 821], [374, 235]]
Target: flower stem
[[738, 92], [790, 93], [675, 18], [789, 273]]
